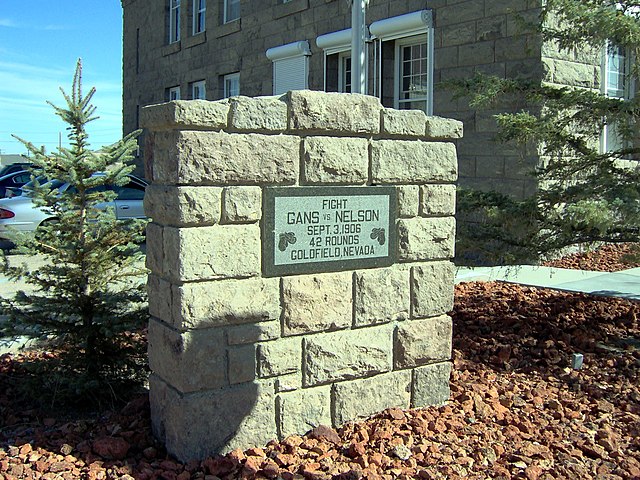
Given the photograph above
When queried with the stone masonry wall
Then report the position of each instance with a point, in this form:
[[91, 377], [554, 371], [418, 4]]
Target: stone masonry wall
[[237, 358]]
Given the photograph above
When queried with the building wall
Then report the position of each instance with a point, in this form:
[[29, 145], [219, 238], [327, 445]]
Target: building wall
[[469, 36]]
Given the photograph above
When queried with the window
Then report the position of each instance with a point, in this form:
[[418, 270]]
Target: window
[[199, 18], [198, 90], [337, 60], [231, 85], [616, 83], [290, 66], [174, 21], [404, 61], [231, 10], [173, 93], [412, 77]]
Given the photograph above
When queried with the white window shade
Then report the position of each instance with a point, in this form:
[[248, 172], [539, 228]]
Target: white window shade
[[402, 26], [335, 42], [290, 66]]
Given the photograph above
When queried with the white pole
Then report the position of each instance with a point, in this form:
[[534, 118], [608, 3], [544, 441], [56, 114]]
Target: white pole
[[358, 45]]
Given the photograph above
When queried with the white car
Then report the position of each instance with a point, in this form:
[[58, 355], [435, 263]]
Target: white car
[[20, 214]]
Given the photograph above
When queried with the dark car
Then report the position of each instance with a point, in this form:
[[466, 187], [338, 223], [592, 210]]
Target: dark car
[[14, 167], [13, 181]]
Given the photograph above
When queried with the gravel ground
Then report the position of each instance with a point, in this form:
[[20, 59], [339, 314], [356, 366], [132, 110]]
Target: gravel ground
[[607, 258], [517, 410]]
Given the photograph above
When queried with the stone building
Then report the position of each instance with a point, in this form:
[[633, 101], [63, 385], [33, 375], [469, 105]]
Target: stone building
[[185, 49]]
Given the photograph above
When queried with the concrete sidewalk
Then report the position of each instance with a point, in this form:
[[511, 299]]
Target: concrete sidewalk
[[624, 284]]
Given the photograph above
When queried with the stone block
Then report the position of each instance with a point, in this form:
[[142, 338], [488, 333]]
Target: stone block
[[419, 342], [403, 123], [183, 206], [228, 302], [437, 200], [347, 354], [303, 410], [160, 298], [408, 200], [189, 361], [183, 114], [258, 114], [381, 295], [316, 303], [203, 253], [430, 385], [312, 111], [426, 238], [242, 364], [432, 289], [242, 416], [406, 161], [220, 158], [154, 259], [439, 128], [254, 332], [242, 204], [280, 357], [288, 383], [335, 160], [364, 397]]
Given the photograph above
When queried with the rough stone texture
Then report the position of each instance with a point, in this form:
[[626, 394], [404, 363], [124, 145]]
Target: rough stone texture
[[258, 114], [189, 115], [154, 260], [346, 355], [242, 204], [253, 332], [160, 298], [432, 289], [315, 303], [405, 161], [430, 385], [335, 160], [178, 420], [443, 128], [334, 112], [242, 364], [403, 123], [288, 383], [426, 238], [436, 200], [200, 353], [408, 200], [205, 253], [183, 206], [219, 158], [227, 302], [419, 342], [381, 295], [302, 410], [364, 397], [279, 358]]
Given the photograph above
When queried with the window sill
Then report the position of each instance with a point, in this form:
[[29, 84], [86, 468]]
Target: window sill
[[171, 49], [289, 8], [197, 39], [228, 28]]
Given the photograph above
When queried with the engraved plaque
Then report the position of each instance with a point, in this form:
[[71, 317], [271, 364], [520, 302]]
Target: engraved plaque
[[328, 229]]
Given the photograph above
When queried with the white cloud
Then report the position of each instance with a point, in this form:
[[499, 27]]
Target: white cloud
[[8, 23]]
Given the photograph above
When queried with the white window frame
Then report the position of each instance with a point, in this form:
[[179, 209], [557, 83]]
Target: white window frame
[[404, 28], [292, 54], [199, 90], [228, 81], [174, 93], [400, 44], [608, 131], [344, 73], [227, 14], [337, 43], [199, 16], [174, 21]]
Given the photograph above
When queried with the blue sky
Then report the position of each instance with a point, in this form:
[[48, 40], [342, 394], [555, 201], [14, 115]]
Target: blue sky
[[40, 42]]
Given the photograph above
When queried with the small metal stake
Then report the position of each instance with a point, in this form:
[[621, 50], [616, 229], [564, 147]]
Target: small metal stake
[[576, 361]]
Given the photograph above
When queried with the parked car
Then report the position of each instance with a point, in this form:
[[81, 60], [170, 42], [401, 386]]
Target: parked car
[[20, 214], [14, 167], [13, 181]]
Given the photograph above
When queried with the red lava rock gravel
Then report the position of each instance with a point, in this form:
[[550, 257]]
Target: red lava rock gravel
[[517, 410], [607, 258]]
